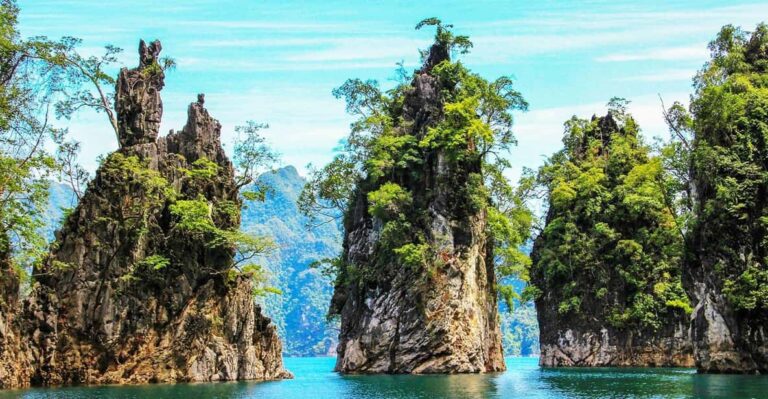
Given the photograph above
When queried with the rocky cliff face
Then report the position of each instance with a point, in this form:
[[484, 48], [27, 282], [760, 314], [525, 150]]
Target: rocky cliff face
[[139, 286], [725, 340], [15, 368], [440, 317], [607, 263], [597, 344]]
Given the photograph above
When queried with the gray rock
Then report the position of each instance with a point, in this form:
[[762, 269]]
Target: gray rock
[[724, 340], [138, 105]]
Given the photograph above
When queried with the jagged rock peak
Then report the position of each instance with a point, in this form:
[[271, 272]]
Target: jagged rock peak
[[138, 105], [149, 54], [200, 137], [440, 317], [438, 53]]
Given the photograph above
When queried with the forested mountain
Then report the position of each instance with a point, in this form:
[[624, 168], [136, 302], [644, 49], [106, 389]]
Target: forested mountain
[[300, 311]]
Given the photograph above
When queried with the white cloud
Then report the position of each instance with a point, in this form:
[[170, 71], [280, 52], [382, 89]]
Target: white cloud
[[663, 76], [200, 64], [263, 25], [692, 52], [259, 43], [540, 132], [627, 16], [362, 49]]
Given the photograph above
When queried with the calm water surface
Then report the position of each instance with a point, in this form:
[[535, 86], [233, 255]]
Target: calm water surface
[[523, 379]]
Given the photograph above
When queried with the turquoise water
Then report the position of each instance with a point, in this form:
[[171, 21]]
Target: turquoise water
[[524, 379]]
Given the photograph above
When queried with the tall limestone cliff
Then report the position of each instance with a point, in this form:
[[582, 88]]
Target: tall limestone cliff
[[416, 289], [140, 286], [727, 270], [607, 266]]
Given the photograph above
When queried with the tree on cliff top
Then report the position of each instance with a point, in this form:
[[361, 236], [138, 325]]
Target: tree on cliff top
[[474, 127]]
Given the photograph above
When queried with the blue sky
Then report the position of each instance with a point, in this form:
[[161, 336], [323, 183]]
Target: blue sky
[[277, 61]]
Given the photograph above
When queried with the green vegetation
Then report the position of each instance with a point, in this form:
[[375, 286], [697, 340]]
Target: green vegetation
[[386, 155], [520, 331], [251, 156], [203, 169], [611, 247], [729, 115], [40, 77], [621, 220], [195, 217], [389, 201], [25, 166]]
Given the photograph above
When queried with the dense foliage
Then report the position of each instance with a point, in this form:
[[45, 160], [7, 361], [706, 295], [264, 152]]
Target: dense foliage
[[386, 153], [730, 122], [611, 247]]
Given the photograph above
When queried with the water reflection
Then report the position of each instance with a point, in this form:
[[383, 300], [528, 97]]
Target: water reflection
[[524, 379], [426, 386], [729, 386], [617, 383], [231, 390]]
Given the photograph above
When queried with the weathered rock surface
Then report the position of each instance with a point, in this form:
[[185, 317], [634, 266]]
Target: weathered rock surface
[[127, 295], [439, 319], [602, 346], [15, 366], [725, 340], [138, 104]]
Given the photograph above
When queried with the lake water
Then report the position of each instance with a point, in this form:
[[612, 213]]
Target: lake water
[[523, 379]]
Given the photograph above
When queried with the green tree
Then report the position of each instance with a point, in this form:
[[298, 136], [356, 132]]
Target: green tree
[[40, 78], [252, 156], [30, 80]]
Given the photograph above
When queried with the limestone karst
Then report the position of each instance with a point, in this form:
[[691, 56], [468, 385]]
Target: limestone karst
[[607, 264], [140, 285], [417, 287], [725, 272]]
